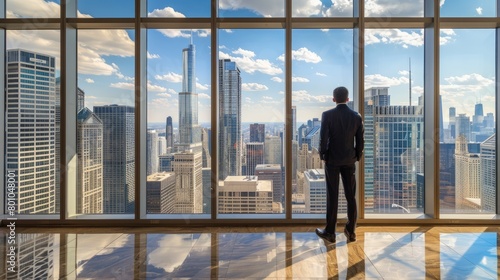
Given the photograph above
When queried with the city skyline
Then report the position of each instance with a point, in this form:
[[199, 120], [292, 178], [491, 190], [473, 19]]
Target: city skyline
[[106, 68]]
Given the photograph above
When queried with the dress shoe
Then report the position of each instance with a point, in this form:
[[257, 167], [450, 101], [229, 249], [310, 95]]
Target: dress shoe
[[350, 236], [330, 237]]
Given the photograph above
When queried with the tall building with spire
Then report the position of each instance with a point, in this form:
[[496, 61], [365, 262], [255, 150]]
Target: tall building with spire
[[189, 130], [230, 140]]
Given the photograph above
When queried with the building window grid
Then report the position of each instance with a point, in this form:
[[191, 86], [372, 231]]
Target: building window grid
[[382, 138]]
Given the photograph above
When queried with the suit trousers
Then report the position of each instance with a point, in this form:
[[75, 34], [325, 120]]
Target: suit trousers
[[347, 172]]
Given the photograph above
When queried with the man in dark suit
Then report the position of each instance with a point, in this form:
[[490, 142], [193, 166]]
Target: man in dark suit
[[341, 145]]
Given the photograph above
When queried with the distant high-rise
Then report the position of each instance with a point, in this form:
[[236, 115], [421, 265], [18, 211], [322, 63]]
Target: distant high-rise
[[151, 152], [462, 123], [254, 156], [452, 113], [187, 167], [169, 133], [272, 172], [162, 145], [378, 96], [118, 157], [189, 130], [467, 177], [488, 175], [315, 192], [478, 118], [160, 193], [273, 150], [257, 132], [294, 123], [230, 140], [205, 149], [89, 194], [30, 129], [391, 169], [242, 194]]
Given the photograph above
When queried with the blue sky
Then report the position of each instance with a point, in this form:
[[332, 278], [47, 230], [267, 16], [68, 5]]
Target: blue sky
[[322, 59]]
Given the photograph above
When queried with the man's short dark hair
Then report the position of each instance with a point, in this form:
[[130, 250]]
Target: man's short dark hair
[[340, 94]]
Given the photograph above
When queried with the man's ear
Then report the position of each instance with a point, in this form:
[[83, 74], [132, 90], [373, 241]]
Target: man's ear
[[347, 100], [334, 100]]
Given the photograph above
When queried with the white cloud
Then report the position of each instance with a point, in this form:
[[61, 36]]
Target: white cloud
[[243, 52], [267, 97], [166, 12], [392, 8], [203, 96], [300, 80], [303, 54], [378, 80], [446, 36], [479, 10], [265, 8], [276, 79], [89, 81], [131, 86], [228, 30], [121, 85], [304, 96], [201, 87], [153, 56], [470, 80], [253, 87], [170, 77], [250, 64], [339, 8], [32, 9], [172, 91], [320, 74], [403, 72], [394, 36], [305, 8], [164, 94]]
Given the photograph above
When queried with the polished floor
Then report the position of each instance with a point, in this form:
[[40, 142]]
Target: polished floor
[[250, 253]]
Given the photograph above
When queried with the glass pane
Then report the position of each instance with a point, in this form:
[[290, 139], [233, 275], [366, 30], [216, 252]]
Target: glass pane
[[467, 8], [33, 9], [179, 128], [32, 121], [394, 8], [316, 71], [191, 256], [106, 8], [255, 8], [467, 146], [180, 9], [333, 8], [251, 96], [394, 121], [105, 122]]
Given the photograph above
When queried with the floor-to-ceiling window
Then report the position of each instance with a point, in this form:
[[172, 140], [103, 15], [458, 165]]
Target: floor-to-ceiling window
[[133, 108]]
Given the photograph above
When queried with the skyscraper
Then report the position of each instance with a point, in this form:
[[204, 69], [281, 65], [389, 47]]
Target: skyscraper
[[118, 157], [30, 129], [151, 152], [169, 133], [391, 168], [189, 130], [89, 194], [187, 167], [452, 112], [254, 156], [273, 150], [243, 194], [315, 192], [272, 172], [160, 193], [467, 177], [462, 124], [488, 175], [230, 141], [294, 123], [257, 132]]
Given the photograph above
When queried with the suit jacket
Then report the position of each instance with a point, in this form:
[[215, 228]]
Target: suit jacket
[[341, 136]]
